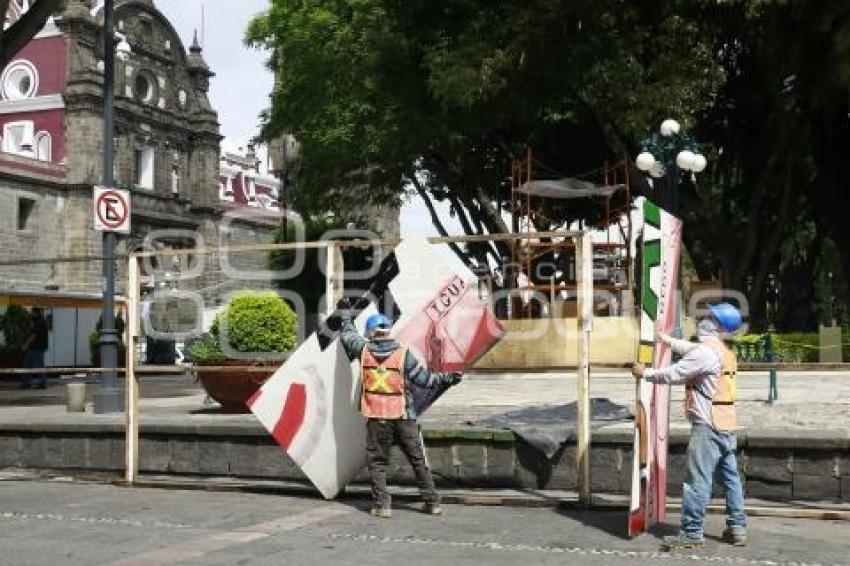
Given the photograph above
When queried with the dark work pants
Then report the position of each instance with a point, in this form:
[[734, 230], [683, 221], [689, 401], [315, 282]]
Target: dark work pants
[[380, 436], [35, 359]]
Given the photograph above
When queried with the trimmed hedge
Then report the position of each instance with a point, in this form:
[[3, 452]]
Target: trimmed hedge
[[259, 322]]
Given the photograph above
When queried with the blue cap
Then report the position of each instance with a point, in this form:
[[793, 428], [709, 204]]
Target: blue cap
[[376, 322], [727, 316]]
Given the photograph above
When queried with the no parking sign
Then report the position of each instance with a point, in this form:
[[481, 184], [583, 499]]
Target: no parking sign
[[111, 210]]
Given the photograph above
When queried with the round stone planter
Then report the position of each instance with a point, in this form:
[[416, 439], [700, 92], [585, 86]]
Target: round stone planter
[[233, 387]]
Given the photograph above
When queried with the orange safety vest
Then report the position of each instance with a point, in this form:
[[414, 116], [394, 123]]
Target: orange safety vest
[[723, 402], [382, 392]]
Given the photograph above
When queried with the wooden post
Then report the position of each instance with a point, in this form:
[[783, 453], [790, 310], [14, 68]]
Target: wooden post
[[629, 263], [334, 275], [584, 276], [552, 296], [131, 390]]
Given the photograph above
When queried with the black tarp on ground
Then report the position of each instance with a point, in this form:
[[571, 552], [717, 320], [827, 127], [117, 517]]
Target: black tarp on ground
[[548, 427]]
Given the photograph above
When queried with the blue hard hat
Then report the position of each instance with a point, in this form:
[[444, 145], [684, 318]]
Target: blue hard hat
[[726, 315], [376, 322]]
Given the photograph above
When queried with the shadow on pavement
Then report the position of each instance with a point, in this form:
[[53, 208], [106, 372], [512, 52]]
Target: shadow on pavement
[[661, 530], [611, 522], [213, 410]]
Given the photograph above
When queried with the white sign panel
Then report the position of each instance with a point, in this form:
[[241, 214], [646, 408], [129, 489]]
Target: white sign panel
[[111, 210], [660, 252], [311, 405]]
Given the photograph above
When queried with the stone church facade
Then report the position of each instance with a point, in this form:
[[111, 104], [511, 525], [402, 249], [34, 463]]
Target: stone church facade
[[166, 150]]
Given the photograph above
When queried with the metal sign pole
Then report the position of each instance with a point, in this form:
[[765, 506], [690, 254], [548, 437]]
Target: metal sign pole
[[108, 399]]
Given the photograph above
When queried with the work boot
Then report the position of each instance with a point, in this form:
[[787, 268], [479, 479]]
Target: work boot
[[382, 512], [432, 509], [681, 541], [733, 538]]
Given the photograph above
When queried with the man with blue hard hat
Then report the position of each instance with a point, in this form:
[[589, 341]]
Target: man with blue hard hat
[[708, 370], [387, 370]]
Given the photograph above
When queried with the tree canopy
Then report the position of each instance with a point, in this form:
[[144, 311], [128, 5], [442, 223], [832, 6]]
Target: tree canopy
[[440, 95]]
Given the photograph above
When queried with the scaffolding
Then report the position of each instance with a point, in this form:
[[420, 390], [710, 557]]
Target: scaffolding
[[532, 275]]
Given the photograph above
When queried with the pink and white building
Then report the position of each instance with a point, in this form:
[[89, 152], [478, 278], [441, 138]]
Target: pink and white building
[[32, 117], [243, 183]]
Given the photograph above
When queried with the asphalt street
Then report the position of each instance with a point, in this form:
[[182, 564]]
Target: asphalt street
[[60, 522]]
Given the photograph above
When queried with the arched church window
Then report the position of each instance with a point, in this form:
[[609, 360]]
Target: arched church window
[[43, 146], [19, 80], [18, 138], [175, 174], [144, 167], [144, 87]]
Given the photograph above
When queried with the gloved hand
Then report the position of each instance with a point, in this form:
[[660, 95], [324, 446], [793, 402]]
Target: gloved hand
[[638, 370], [662, 338], [457, 377]]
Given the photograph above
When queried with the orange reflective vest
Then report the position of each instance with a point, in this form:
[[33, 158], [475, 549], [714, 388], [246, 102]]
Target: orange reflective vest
[[723, 402], [382, 391]]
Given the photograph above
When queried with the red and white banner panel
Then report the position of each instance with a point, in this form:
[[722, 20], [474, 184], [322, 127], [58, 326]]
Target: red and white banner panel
[[659, 274], [311, 404]]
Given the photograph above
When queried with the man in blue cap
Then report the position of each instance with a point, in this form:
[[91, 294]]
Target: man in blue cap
[[387, 370], [708, 370]]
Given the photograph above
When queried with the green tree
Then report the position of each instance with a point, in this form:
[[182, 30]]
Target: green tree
[[310, 283], [439, 95], [768, 202]]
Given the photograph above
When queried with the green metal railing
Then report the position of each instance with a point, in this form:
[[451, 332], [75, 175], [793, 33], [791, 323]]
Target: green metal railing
[[762, 351]]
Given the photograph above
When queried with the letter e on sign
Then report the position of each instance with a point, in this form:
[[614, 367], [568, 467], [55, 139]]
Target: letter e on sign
[[111, 210]]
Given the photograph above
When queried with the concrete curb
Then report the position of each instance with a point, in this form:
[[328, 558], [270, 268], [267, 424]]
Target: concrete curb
[[778, 465], [605, 434]]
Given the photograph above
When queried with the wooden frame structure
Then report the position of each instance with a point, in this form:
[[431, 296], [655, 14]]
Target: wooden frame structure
[[580, 240], [526, 249]]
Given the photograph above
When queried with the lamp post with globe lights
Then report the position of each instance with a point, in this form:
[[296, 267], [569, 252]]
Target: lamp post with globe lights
[[666, 154]]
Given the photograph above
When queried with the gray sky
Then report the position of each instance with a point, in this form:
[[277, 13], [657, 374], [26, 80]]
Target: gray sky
[[240, 90]]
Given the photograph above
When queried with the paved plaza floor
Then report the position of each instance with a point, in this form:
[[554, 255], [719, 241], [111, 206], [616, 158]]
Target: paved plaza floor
[[808, 401]]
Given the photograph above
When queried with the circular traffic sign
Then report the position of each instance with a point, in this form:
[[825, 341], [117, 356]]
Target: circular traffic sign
[[111, 209]]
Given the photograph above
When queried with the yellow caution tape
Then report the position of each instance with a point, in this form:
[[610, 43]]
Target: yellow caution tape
[[802, 345]]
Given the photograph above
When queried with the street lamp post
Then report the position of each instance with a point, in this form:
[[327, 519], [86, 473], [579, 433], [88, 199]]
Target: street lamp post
[[287, 153], [665, 155], [109, 397]]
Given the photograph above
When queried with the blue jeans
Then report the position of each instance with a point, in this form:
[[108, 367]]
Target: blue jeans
[[34, 359], [711, 452]]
